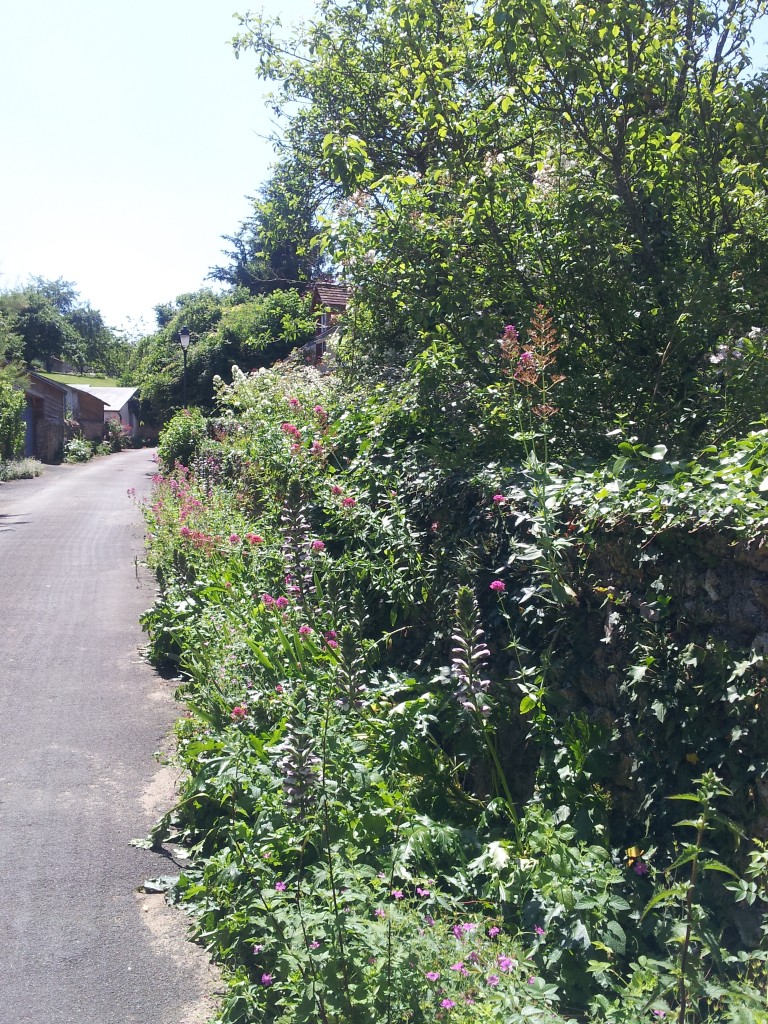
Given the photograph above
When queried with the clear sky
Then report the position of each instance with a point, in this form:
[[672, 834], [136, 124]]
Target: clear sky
[[130, 139]]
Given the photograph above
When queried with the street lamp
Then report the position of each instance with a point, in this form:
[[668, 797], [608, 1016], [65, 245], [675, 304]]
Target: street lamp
[[184, 342]]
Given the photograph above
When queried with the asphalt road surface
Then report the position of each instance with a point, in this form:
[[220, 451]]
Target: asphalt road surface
[[80, 718]]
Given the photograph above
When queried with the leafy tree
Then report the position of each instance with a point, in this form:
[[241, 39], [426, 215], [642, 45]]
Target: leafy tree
[[277, 246], [232, 328], [604, 161]]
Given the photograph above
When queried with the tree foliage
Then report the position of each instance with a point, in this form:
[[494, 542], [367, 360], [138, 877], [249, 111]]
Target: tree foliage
[[602, 160]]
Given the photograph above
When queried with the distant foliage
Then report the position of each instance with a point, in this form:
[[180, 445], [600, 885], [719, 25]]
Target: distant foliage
[[12, 404]]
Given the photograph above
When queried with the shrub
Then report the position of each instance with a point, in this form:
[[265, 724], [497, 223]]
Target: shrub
[[11, 422], [20, 469], [77, 450], [181, 438]]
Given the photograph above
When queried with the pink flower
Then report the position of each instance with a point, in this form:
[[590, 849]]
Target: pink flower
[[506, 963], [421, 892], [254, 538], [432, 975], [185, 531], [510, 329], [257, 950], [238, 713], [493, 932], [305, 630], [499, 499], [498, 586], [460, 968], [493, 980], [280, 886], [317, 545], [234, 539], [268, 600], [335, 489], [538, 930], [314, 945], [531, 980], [291, 430], [447, 1004], [397, 894], [279, 688], [267, 979], [348, 502], [294, 402], [282, 603], [379, 912], [320, 412]]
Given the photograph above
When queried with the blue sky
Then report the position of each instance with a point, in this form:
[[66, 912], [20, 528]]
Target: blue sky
[[131, 138]]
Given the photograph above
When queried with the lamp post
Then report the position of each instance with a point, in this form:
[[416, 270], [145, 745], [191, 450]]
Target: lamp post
[[184, 342]]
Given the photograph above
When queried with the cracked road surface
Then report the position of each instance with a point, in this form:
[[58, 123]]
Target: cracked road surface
[[81, 717]]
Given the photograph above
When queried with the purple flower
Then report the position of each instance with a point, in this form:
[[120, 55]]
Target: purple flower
[[282, 603], [493, 980], [493, 932], [280, 886], [506, 963], [498, 585], [234, 539], [267, 979], [317, 545], [432, 975], [314, 945], [447, 1004], [379, 912], [257, 949], [305, 630], [460, 968], [538, 930], [397, 894], [640, 868], [499, 499], [421, 892]]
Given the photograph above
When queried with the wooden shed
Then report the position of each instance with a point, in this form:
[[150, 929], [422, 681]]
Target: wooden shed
[[44, 418]]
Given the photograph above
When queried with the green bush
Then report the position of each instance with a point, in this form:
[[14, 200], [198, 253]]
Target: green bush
[[181, 439], [11, 422], [77, 450]]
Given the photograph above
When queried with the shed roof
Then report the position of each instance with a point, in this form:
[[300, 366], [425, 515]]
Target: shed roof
[[332, 294], [114, 398]]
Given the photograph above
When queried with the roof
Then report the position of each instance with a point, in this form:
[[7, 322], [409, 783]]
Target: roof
[[330, 294], [114, 398]]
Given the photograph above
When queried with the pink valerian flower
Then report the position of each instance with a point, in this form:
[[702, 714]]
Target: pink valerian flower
[[305, 630], [282, 603], [499, 586], [320, 412], [330, 638], [335, 489], [294, 403], [432, 975], [348, 502], [280, 886], [185, 531], [531, 980], [254, 538], [234, 538], [291, 430], [318, 545], [499, 499], [317, 448], [278, 688], [295, 448], [474, 957], [238, 713]]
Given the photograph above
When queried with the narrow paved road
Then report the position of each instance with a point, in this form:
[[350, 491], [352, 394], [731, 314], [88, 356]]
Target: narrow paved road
[[80, 718]]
